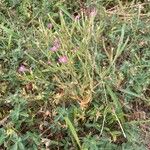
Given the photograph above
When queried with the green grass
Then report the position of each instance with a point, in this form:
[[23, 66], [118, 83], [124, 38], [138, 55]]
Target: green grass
[[80, 84]]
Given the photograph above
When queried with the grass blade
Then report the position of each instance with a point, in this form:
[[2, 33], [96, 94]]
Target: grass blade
[[121, 45], [72, 130], [115, 100]]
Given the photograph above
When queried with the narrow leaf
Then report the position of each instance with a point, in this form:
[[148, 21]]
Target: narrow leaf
[[115, 100], [72, 130]]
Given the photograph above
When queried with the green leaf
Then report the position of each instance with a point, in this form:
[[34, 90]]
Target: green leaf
[[65, 11], [73, 131], [21, 146], [115, 100], [15, 147], [132, 94], [2, 136], [121, 45]]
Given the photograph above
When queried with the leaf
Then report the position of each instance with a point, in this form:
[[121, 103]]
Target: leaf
[[15, 114], [7, 30], [115, 100], [65, 11], [15, 147], [121, 45], [73, 131], [121, 38], [21, 146], [132, 94], [2, 136]]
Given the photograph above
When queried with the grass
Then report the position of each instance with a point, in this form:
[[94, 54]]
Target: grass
[[74, 75]]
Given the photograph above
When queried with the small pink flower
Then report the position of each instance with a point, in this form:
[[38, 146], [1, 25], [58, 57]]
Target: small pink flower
[[49, 26], [22, 69], [56, 46], [93, 13], [77, 17], [63, 59], [49, 62]]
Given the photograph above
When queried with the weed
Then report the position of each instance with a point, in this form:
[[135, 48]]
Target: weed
[[74, 75]]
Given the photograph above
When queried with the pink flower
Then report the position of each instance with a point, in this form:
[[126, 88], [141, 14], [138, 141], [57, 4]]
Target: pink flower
[[77, 17], [49, 62], [22, 69], [56, 46], [49, 26], [63, 59], [93, 12]]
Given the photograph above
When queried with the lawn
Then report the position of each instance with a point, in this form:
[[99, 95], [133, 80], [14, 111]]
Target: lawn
[[75, 75]]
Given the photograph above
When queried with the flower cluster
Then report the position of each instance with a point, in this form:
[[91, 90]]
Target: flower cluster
[[56, 45]]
